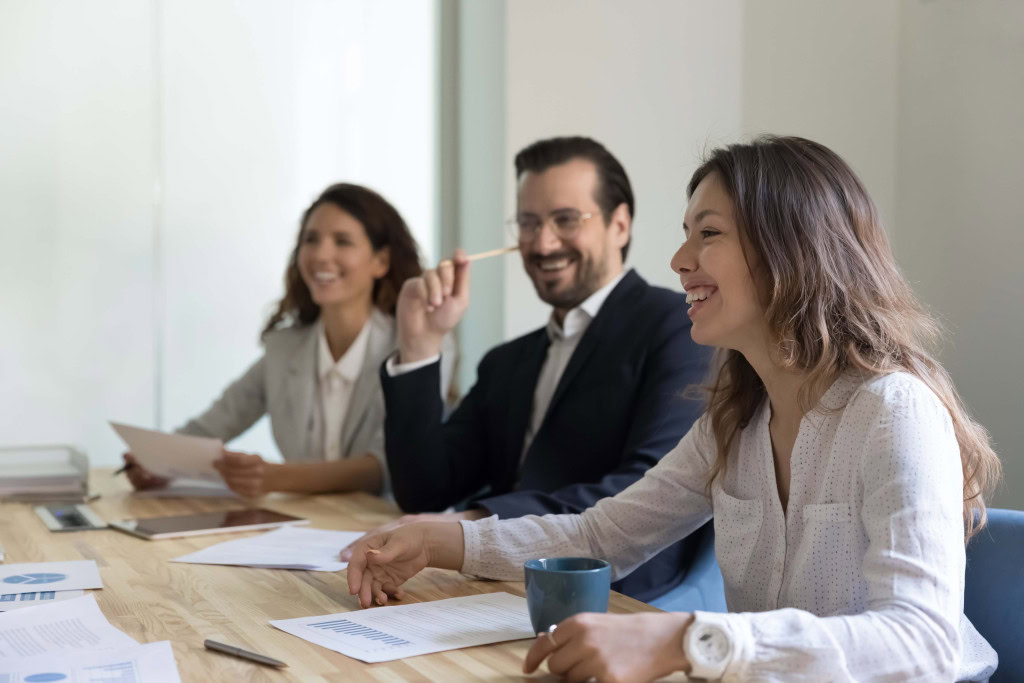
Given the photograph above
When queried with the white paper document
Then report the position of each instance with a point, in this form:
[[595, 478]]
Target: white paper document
[[382, 634], [58, 628], [172, 455], [285, 548], [189, 488], [149, 663], [49, 576], [9, 601]]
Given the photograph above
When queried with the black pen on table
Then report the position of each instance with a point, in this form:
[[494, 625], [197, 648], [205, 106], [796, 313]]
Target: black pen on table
[[244, 654]]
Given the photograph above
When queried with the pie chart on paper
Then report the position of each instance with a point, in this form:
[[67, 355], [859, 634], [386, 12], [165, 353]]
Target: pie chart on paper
[[35, 578]]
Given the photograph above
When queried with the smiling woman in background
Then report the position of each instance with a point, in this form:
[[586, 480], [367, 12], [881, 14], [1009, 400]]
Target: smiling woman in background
[[324, 345], [842, 470]]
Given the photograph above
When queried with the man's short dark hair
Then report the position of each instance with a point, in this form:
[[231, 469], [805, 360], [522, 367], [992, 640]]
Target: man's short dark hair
[[613, 183]]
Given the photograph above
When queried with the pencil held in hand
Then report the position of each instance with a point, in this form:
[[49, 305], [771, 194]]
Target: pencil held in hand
[[482, 255]]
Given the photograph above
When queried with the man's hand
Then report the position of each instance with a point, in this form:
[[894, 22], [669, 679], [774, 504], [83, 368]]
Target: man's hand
[[430, 306], [404, 520], [244, 473], [613, 648]]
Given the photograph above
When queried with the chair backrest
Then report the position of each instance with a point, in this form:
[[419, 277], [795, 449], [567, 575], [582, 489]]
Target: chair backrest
[[994, 591]]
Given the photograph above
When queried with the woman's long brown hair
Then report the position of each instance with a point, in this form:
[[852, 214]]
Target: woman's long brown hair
[[835, 300], [384, 227]]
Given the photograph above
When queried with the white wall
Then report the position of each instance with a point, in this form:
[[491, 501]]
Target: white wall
[[924, 99], [960, 220], [156, 158], [654, 81]]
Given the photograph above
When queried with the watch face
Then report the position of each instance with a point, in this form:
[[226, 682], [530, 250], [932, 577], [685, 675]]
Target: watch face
[[712, 645]]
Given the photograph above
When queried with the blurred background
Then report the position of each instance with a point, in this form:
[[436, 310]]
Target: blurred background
[[155, 158]]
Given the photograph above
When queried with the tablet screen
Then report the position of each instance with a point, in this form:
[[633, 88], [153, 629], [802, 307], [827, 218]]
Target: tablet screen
[[210, 522]]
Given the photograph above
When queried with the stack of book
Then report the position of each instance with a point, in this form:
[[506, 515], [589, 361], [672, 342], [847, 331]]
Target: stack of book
[[35, 473]]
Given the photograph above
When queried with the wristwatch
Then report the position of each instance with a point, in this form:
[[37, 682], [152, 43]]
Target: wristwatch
[[708, 645]]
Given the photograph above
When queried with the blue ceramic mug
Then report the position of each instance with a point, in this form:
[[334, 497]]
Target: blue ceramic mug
[[559, 587]]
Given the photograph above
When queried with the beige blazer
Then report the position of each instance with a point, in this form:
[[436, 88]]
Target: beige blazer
[[283, 384]]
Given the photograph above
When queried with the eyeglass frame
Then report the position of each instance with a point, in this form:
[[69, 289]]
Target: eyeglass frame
[[515, 227]]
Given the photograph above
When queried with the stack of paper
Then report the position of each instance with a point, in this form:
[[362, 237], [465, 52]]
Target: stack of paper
[[286, 548], [150, 663], [43, 473], [386, 633], [73, 641], [31, 584]]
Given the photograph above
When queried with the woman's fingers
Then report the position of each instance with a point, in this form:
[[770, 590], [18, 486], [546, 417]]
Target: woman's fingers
[[543, 646]]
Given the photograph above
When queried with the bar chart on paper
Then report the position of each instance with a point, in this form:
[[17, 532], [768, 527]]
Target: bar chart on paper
[[387, 633], [9, 601]]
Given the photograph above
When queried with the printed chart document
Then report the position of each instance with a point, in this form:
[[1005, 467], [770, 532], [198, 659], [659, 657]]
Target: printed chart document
[[49, 576], [386, 633], [285, 548], [172, 455], [9, 601], [150, 663], [58, 628]]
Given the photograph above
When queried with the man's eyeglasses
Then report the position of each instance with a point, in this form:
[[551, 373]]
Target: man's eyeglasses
[[565, 223]]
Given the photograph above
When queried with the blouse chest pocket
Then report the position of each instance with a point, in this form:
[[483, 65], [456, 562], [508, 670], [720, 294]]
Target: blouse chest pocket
[[828, 525], [737, 528]]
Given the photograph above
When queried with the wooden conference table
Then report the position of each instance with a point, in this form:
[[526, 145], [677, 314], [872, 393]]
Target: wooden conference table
[[152, 599]]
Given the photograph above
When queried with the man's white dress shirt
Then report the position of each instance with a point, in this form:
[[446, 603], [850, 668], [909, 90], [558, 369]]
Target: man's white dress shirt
[[860, 578]]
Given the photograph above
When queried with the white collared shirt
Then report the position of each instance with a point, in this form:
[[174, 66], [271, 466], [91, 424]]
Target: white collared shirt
[[335, 382], [860, 578]]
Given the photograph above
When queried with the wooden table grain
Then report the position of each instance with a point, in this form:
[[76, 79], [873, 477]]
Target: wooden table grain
[[152, 599]]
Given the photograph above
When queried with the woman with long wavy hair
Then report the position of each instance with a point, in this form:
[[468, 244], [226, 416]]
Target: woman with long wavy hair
[[842, 470], [324, 345]]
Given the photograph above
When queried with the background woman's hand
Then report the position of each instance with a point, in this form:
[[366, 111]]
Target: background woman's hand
[[613, 648], [141, 478], [244, 473]]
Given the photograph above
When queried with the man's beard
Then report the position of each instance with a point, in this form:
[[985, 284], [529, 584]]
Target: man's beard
[[589, 274]]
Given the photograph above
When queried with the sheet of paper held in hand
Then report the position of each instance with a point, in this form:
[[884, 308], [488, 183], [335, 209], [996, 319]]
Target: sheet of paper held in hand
[[383, 634], [172, 455], [49, 576], [285, 548], [149, 663], [58, 628]]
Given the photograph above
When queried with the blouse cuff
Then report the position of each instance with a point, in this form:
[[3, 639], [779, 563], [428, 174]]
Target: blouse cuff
[[743, 649], [471, 544]]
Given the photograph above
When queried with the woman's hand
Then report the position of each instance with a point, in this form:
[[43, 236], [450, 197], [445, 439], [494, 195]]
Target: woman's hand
[[612, 648], [244, 473], [381, 563], [141, 478], [405, 520]]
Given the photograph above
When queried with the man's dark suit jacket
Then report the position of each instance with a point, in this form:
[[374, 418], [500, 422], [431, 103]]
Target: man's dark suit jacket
[[616, 411]]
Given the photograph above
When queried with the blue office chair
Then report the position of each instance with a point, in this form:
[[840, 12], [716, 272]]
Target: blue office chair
[[703, 587], [994, 590]]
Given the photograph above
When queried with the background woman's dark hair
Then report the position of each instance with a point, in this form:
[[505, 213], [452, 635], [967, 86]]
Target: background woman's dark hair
[[835, 300], [384, 227]]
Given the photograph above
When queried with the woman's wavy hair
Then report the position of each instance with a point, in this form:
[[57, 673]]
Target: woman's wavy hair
[[384, 227], [835, 301]]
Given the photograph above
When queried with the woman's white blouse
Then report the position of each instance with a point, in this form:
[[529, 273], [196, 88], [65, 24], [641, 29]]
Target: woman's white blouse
[[860, 578]]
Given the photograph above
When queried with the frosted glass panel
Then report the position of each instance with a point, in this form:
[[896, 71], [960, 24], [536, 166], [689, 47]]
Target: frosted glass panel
[[154, 160], [76, 222]]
